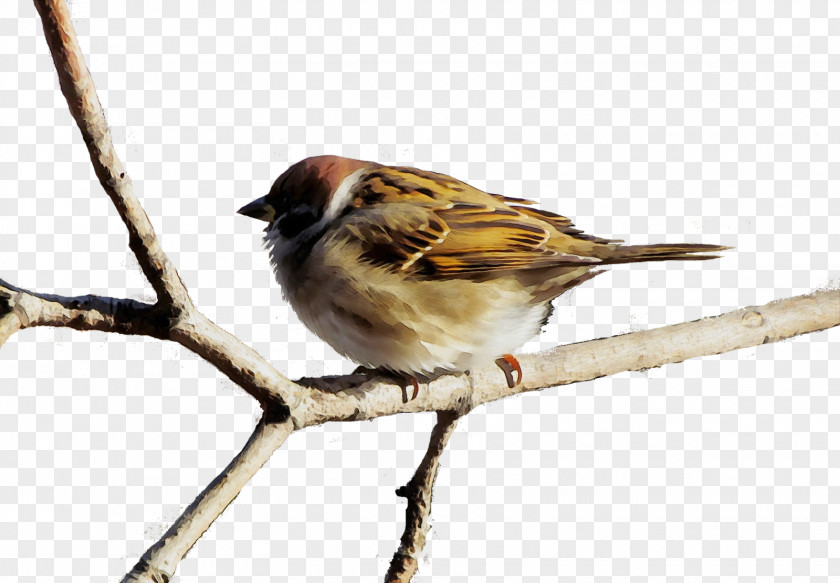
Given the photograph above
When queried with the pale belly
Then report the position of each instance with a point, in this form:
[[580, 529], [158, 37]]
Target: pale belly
[[421, 328]]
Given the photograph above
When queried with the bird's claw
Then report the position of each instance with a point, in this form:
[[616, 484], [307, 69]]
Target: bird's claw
[[509, 365], [403, 386]]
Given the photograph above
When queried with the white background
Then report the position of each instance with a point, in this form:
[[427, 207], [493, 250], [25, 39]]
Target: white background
[[651, 122]]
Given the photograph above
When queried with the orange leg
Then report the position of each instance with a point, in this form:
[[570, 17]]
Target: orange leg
[[415, 384], [509, 365]]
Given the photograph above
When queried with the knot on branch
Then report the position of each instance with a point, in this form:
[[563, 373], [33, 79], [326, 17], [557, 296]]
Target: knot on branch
[[10, 304], [6, 305], [275, 410], [752, 319], [163, 317], [409, 491], [144, 571]]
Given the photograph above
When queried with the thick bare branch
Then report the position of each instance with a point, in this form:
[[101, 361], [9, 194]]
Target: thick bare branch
[[583, 361], [241, 363], [159, 562], [20, 308], [77, 87], [418, 492], [24, 309]]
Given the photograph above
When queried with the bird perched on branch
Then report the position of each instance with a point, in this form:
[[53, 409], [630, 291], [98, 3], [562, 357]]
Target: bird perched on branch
[[420, 274]]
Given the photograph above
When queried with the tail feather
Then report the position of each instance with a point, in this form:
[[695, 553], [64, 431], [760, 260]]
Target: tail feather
[[658, 252]]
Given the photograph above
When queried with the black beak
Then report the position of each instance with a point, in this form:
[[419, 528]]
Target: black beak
[[257, 209]]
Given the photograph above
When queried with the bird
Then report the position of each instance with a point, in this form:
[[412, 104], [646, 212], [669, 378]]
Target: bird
[[418, 274]]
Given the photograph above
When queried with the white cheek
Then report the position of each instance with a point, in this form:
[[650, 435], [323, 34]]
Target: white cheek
[[342, 195], [279, 247]]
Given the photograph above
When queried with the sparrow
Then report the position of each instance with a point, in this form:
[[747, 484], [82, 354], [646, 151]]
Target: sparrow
[[419, 274]]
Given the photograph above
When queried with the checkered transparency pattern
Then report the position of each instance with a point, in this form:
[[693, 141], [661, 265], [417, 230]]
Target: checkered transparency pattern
[[663, 121]]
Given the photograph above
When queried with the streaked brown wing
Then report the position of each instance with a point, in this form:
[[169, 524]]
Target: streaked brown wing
[[437, 226], [559, 222]]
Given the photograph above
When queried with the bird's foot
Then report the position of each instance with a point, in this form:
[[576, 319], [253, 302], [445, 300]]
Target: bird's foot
[[509, 365], [404, 381], [404, 386], [363, 370]]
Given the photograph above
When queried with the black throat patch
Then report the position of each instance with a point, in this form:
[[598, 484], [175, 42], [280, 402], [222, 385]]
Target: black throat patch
[[295, 221]]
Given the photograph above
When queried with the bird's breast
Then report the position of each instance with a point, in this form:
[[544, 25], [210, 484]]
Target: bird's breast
[[383, 319]]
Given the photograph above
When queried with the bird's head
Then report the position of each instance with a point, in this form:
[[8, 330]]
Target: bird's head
[[312, 192]]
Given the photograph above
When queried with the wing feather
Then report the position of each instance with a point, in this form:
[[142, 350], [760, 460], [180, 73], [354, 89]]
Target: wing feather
[[440, 227]]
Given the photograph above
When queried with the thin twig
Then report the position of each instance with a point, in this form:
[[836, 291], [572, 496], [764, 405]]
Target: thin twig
[[20, 308], [159, 562], [90, 312], [255, 375], [77, 87], [418, 492]]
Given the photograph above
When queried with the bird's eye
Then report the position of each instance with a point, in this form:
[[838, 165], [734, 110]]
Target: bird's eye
[[293, 222]]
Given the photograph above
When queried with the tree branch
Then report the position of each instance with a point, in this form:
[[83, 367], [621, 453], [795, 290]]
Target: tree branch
[[24, 309], [240, 363], [256, 376], [159, 562], [418, 492], [289, 406], [20, 308], [578, 362], [77, 87]]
